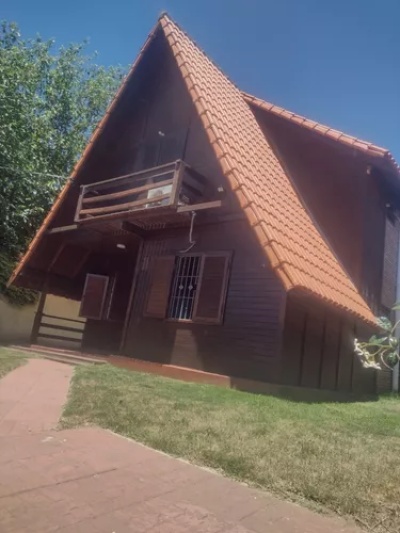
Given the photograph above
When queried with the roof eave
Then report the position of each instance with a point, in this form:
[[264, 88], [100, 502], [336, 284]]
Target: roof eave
[[96, 133], [365, 147]]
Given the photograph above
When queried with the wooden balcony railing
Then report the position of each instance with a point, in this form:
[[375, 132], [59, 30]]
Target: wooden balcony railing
[[167, 187]]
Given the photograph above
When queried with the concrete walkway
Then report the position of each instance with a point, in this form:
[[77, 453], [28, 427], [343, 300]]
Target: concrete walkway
[[90, 480]]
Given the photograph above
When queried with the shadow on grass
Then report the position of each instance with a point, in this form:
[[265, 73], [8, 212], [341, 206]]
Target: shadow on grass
[[300, 394]]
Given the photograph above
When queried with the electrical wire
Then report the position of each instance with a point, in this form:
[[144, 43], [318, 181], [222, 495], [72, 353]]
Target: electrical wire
[[191, 241], [20, 171]]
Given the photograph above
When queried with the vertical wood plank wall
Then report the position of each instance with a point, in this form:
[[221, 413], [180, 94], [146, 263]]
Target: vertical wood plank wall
[[318, 350], [105, 335], [247, 344]]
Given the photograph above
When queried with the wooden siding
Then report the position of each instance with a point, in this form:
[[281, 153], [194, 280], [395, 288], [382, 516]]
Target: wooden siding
[[318, 352], [390, 264], [373, 238], [159, 108], [344, 195], [157, 101], [247, 344], [105, 335]]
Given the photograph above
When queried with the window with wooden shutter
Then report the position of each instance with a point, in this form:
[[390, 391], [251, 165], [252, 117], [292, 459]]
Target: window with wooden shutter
[[183, 290], [94, 296], [211, 292], [159, 287]]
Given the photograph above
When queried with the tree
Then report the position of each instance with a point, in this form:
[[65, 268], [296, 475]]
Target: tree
[[382, 349], [50, 102]]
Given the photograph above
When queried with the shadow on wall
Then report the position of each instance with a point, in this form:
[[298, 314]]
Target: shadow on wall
[[16, 322]]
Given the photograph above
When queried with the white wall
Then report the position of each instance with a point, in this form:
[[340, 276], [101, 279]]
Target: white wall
[[16, 322]]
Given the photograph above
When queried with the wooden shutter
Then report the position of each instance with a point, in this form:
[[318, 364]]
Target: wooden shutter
[[160, 285], [94, 296], [211, 293]]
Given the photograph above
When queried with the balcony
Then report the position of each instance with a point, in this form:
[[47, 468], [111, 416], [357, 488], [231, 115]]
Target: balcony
[[164, 194]]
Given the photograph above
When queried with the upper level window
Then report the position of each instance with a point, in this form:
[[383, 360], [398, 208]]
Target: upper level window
[[162, 149], [189, 287]]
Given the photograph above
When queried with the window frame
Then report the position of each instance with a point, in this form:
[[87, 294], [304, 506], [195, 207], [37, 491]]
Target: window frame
[[224, 291], [173, 277], [100, 315]]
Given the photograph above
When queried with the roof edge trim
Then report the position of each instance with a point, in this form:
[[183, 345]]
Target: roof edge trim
[[323, 130], [96, 133]]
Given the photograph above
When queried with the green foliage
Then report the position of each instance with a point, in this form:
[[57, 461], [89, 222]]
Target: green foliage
[[380, 350], [342, 456], [14, 295], [50, 102]]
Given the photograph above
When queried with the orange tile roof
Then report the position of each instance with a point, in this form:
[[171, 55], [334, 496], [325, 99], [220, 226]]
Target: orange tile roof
[[296, 250], [338, 136]]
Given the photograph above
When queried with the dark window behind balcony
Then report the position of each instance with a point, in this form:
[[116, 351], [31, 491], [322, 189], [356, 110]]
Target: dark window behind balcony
[[163, 149]]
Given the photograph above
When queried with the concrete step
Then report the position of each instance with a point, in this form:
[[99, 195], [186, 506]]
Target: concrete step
[[62, 359], [73, 359], [63, 356], [53, 349]]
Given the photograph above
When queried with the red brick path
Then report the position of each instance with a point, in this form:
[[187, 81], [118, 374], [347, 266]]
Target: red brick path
[[89, 480]]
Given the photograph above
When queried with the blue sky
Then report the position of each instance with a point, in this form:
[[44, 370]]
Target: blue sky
[[335, 61]]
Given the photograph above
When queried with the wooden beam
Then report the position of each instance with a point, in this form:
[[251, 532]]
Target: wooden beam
[[128, 192], [62, 229], [136, 230], [121, 208], [61, 328], [80, 263], [56, 256], [38, 318], [198, 207], [178, 177], [59, 337], [83, 322], [79, 203], [129, 309], [45, 282], [136, 174]]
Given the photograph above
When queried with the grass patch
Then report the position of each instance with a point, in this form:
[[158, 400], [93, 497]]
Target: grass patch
[[10, 359], [345, 457]]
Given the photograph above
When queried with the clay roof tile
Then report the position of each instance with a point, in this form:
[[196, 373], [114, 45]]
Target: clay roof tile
[[296, 250], [299, 254]]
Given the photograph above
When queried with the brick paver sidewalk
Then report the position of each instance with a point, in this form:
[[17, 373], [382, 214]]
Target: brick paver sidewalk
[[89, 480]]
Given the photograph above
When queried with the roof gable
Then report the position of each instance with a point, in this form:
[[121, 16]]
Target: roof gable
[[296, 250]]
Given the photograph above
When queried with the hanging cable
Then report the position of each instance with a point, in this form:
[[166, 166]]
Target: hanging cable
[[29, 172], [191, 241]]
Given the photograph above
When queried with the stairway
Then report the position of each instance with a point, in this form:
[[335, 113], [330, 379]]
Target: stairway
[[69, 357]]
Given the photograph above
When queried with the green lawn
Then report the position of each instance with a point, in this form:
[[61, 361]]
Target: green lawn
[[10, 359], [345, 457]]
